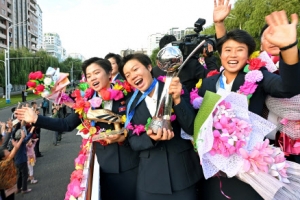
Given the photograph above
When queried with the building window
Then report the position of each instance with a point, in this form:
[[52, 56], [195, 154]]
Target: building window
[[3, 12]]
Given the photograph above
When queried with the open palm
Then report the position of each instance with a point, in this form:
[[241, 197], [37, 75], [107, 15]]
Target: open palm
[[221, 10], [280, 32]]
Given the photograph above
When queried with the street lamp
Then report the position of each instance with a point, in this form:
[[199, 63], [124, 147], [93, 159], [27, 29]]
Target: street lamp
[[7, 71]]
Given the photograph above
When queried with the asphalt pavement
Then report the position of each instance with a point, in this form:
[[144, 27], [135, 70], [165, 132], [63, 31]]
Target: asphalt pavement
[[53, 170]]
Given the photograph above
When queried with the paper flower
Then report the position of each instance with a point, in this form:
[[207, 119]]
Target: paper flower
[[95, 102]]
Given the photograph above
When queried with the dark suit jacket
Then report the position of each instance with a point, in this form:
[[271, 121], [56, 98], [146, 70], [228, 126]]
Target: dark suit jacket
[[119, 77], [171, 165], [284, 86], [192, 72], [112, 158]]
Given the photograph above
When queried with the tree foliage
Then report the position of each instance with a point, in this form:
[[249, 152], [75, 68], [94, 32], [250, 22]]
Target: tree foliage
[[153, 56], [22, 62]]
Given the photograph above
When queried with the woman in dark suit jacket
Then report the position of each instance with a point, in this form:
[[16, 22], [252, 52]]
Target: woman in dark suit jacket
[[235, 47], [118, 163], [169, 168]]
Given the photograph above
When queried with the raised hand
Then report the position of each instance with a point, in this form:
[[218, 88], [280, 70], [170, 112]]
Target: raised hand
[[280, 32], [26, 114], [221, 10]]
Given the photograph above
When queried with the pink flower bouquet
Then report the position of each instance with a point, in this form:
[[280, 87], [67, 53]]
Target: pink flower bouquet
[[229, 138]]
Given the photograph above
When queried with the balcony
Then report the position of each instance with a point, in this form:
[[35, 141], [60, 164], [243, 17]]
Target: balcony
[[32, 7], [33, 48], [8, 10], [9, 2], [33, 41], [3, 46], [33, 1], [2, 36], [2, 26]]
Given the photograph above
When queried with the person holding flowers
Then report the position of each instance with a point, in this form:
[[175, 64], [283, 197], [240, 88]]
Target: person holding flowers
[[118, 162], [249, 77], [168, 167]]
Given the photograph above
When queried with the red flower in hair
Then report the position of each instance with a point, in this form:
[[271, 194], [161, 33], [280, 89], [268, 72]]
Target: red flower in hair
[[256, 64], [212, 73]]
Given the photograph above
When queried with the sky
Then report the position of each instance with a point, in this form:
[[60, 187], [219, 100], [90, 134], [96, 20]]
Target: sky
[[97, 27]]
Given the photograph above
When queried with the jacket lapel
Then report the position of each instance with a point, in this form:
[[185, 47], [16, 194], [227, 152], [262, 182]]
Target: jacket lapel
[[238, 81]]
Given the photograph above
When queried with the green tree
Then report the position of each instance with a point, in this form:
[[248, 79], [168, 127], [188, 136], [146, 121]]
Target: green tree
[[153, 56]]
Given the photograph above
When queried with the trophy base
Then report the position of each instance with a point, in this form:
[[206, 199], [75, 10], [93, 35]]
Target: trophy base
[[157, 123]]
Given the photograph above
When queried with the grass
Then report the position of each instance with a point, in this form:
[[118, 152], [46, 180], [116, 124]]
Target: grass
[[14, 99]]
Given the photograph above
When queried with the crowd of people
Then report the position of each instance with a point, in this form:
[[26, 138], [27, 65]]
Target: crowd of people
[[145, 163]]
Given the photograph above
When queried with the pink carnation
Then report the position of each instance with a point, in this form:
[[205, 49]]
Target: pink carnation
[[193, 95], [173, 117], [254, 76], [197, 102], [88, 93], [248, 88], [138, 129], [95, 102], [161, 78], [116, 94]]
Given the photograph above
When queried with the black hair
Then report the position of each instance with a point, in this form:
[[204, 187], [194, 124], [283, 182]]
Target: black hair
[[2, 154], [32, 103], [142, 58], [240, 36], [103, 63], [13, 109], [263, 30], [117, 57], [166, 40]]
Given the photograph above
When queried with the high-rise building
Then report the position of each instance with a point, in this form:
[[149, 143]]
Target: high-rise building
[[153, 42], [19, 21], [52, 45], [5, 21], [39, 13]]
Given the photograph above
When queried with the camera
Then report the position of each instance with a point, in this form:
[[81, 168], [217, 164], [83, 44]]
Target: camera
[[189, 42]]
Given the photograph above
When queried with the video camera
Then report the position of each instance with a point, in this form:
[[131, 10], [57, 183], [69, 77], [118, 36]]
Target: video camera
[[189, 42]]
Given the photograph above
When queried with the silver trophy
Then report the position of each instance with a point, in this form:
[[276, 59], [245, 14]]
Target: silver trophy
[[169, 59]]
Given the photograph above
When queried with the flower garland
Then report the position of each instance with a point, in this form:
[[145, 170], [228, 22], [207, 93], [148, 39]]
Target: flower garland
[[140, 128], [252, 77], [83, 102]]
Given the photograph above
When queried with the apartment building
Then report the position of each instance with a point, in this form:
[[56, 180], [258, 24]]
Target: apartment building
[[52, 44], [19, 24], [153, 42]]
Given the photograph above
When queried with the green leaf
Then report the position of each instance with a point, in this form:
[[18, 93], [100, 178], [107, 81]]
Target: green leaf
[[148, 123], [246, 68], [83, 86], [209, 101]]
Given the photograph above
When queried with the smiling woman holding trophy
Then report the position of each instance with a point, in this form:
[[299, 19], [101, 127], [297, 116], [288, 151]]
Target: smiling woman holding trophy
[[169, 167]]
